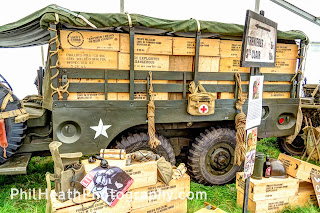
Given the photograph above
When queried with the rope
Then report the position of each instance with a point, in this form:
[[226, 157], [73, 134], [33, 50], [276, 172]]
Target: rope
[[240, 121], [153, 141], [61, 89], [129, 19]]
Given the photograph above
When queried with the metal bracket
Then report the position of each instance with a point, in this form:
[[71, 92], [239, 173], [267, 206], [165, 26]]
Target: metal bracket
[[196, 58], [131, 33]]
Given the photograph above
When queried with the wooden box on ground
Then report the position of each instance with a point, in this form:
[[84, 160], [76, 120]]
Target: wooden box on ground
[[287, 66], [267, 206], [147, 44], [144, 62], [57, 206], [187, 46], [306, 194], [268, 188], [143, 174], [160, 193], [89, 40], [95, 59], [232, 65], [176, 206], [298, 168]]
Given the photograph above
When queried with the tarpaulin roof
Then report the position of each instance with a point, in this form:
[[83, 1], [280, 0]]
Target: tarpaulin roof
[[32, 30]]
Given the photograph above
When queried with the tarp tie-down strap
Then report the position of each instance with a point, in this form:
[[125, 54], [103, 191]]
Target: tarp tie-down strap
[[15, 113], [240, 121], [129, 19], [60, 90], [6, 101], [153, 140], [57, 18]]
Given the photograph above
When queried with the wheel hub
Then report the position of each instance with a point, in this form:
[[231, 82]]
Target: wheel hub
[[220, 159]]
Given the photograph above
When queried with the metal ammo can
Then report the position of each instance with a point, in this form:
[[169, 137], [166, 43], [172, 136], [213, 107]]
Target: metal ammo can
[[258, 166]]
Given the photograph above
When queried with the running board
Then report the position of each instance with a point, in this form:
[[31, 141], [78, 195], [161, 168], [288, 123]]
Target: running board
[[16, 165]]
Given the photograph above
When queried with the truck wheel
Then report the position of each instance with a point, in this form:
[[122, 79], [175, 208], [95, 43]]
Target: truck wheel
[[211, 157], [140, 141], [296, 148], [15, 131]]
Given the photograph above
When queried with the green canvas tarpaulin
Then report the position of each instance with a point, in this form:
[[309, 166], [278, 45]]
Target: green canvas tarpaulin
[[32, 30]]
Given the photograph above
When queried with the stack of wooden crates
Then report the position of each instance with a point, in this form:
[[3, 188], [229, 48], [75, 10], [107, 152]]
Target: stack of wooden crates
[[146, 194], [105, 50], [275, 194]]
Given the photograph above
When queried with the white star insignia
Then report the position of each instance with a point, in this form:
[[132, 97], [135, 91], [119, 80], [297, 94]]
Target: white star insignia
[[100, 129]]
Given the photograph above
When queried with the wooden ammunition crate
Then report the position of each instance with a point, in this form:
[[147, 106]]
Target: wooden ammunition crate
[[71, 58], [232, 65], [267, 206], [287, 66], [268, 188], [230, 49], [306, 194], [298, 168], [287, 51], [209, 64], [158, 193], [89, 40], [147, 44], [230, 95], [187, 46], [181, 63], [176, 206], [143, 174], [267, 95], [144, 62], [57, 206]]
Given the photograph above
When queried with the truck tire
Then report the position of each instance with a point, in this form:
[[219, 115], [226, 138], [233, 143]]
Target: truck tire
[[211, 157], [15, 131], [140, 141], [296, 148]]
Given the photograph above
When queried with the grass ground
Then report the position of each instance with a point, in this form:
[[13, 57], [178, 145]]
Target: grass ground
[[222, 196]]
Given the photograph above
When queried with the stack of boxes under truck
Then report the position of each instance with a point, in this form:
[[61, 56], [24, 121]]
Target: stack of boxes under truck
[[146, 194], [275, 194]]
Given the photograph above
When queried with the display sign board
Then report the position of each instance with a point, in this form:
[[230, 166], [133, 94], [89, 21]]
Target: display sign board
[[251, 146], [259, 41], [316, 186]]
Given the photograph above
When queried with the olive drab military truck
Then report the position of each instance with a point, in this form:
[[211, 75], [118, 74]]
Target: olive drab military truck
[[103, 70]]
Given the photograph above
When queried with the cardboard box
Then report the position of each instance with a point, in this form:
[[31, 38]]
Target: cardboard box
[[88, 59], [73, 39], [147, 44], [267, 95], [158, 193], [57, 206], [267, 206], [287, 51], [232, 65], [176, 206], [187, 46], [209, 64], [268, 188], [230, 49], [287, 66], [143, 174], [297, 168], [181, 63], [144, 62]]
